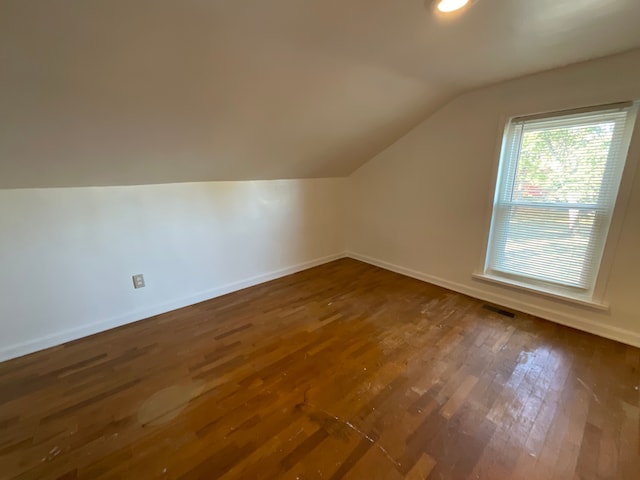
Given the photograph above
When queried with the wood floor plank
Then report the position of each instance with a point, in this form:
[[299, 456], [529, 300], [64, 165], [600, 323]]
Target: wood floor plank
[[341, 371]]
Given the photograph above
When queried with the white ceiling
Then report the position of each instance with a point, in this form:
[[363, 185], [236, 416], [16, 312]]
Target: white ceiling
[[113, 92]]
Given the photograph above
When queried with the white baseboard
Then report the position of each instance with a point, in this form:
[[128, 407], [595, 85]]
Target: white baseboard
[[58, 338], [607, 331]]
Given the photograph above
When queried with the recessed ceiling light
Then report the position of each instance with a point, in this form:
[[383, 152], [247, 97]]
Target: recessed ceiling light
[[446, 6]]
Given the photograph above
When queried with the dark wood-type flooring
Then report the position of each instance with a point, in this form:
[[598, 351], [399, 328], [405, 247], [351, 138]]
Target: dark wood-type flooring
[[341, 371]]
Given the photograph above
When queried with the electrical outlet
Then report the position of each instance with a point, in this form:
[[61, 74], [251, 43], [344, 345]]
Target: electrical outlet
[[138, 281]]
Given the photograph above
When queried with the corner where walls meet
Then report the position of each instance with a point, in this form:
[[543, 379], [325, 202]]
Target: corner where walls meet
[[422, 207]]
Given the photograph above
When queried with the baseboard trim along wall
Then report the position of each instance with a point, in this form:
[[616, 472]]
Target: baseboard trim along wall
[[41, 343], [614, 333]]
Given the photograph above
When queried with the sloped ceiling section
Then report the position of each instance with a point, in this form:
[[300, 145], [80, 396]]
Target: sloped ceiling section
[[117, 92]]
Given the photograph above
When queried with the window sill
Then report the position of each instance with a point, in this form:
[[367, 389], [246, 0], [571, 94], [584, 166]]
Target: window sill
[[584, 302]]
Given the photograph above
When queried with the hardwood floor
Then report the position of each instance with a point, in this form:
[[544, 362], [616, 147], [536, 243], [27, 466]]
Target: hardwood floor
[[341, 371]]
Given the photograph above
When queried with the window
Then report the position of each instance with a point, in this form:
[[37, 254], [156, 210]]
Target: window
[[556, 189]]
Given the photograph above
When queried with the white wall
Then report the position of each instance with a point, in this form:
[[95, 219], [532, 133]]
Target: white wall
[[423, 205], [67, 255]]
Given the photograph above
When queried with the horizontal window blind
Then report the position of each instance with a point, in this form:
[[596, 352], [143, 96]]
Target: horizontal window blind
[[556, 190]]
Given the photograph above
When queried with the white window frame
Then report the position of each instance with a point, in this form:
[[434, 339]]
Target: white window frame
[[593, 296]]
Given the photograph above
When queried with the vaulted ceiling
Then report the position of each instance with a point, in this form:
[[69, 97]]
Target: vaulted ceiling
[[116, 92]]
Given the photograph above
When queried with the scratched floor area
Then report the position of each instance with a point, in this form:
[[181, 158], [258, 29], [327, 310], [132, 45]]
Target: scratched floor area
[[341, 371]]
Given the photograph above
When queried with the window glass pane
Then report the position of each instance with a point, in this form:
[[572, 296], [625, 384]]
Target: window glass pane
[[564, 164], [547, 244]]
